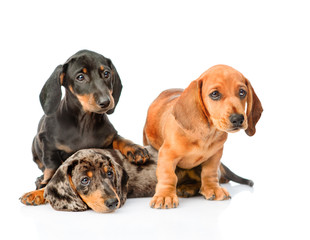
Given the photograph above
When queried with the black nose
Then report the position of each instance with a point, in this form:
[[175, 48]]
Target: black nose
[[104, 102], [111, 203], [236, 120]]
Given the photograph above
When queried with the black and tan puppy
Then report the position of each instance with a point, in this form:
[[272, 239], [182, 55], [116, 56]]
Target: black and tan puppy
[[79, 120], [102, 180]]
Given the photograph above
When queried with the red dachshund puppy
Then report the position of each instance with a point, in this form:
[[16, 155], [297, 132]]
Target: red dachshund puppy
[[190, 127]]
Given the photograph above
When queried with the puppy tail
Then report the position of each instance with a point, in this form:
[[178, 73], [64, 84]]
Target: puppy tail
[[227, 175]]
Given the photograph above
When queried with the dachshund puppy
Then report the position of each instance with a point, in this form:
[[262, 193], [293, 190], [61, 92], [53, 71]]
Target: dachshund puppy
[[79, 120], [190, 127], [102, 180], [97, 179]]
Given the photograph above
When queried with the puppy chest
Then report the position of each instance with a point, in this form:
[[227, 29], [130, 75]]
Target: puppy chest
[[193, 159], [70, 142], [198, 153]]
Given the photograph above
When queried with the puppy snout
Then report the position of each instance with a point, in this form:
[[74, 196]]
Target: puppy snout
[[236, 120], [111, 203], [104, 102]]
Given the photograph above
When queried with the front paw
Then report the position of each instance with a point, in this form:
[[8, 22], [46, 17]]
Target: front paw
[[137, 154], [164, 202], [215, 193], [33, 198]]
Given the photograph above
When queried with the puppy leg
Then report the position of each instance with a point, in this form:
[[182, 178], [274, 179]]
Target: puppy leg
[[210, 187], [48, 161], [134, 153], [48, 174], [33, 198], [165, 195]]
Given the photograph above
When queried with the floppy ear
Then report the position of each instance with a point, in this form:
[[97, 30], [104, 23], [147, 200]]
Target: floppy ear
[[189, 110], [122, 183], [50, 95], [117, 86], [60, 191], [254, 110], [121, 175]]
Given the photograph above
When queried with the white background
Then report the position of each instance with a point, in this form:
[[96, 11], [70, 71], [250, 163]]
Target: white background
[[157, 45]]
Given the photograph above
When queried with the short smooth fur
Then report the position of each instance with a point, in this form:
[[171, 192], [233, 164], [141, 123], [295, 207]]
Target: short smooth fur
[[189, 128], [102, 180], [79, 120]]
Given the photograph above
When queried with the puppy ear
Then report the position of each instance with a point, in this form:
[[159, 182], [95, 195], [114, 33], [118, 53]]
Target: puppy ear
[[60, 191], [50, 95], [254, 109], [121, 175], [117, 86], [189, 110]]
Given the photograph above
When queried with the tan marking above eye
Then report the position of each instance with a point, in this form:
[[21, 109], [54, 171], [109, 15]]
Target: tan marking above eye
[[84, 70], [101, 68], [89, 174]]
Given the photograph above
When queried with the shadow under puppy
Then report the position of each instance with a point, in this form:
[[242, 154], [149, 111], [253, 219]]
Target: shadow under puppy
[[101, 179]]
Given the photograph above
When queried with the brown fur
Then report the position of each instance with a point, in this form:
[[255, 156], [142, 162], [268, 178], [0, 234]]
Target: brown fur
[[108, 186], [106, 192], [34, 198], [189, 129]]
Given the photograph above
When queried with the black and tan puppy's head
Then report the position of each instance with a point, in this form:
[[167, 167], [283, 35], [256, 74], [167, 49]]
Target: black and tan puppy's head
[[90, 178], [90, 78]]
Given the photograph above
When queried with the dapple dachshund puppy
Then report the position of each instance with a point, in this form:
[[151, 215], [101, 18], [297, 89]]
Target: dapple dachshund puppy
[[79, 120], [102, 180], [190, 127]]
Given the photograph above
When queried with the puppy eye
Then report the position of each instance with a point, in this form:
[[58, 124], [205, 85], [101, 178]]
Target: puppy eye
[[110, 174], [242, 93], [106, 74], [80, 77], [215, 95], [85, 181]]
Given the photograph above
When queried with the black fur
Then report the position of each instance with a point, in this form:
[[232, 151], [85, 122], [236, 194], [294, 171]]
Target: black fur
[[79, 120]]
